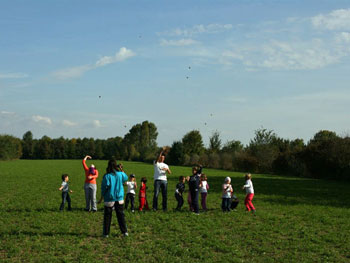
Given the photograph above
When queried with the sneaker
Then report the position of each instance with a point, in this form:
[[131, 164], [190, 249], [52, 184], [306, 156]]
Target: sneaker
[[94, 211], [105, 236], [126, 234], [132, 211]]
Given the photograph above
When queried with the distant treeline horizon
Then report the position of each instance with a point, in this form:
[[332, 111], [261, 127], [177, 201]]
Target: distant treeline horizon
[[326, 155]]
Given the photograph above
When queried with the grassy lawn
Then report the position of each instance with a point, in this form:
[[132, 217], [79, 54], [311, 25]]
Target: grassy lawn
[[298, 220]]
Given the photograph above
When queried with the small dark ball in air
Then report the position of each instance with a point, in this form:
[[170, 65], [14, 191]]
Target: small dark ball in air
[[99, 97], [187, 77], [189, 67]]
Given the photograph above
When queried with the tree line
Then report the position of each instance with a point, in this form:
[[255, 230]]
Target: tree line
[[326, 155]]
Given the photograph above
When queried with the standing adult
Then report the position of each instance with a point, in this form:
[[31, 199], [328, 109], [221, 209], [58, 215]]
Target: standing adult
[[112, 191], [193, 183], [90, 187], [160, 180]]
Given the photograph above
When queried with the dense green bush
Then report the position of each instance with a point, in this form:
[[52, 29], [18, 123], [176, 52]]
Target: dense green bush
[[10, 147]]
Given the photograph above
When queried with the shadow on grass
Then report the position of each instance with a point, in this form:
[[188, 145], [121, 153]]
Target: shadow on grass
[[290, 190], [48, 234], [45, 210]]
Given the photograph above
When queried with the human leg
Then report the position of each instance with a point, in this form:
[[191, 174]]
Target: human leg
[[249, 202], [194, 198], [132, 201], [64, 197], [69, 202], [189, 201], [93, 190], [156, 193], [119, 210], [142, 203], [164, 188], [87, 197], [127, 198], [204, 201], [107, 219]]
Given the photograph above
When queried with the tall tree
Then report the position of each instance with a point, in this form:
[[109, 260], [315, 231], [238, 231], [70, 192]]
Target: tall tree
[[193, 143], [214, 142], [28, 145]]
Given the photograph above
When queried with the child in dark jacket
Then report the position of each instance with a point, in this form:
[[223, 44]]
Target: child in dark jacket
[[180, 188]]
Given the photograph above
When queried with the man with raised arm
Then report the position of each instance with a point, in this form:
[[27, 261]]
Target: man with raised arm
[[160, 180]]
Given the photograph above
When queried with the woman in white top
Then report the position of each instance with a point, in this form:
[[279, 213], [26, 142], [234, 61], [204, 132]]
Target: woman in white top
[[249, 189], [226, 195]]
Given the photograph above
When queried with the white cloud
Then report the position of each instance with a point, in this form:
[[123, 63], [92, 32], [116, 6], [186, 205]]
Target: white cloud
[[73, 72], [38, 118], [122, 55], [78, 71], [8, 113], [13, 75], [279, 55], [343, 37], [198, 29], [97, 124], [68, 123], [180, 42], [335, 20]]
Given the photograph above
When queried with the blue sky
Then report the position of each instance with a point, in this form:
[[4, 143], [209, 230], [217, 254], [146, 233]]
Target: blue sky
[[95, 68]]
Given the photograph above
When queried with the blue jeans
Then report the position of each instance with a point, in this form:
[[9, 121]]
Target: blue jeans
[[226, 203], [160, 185], [65, 198]]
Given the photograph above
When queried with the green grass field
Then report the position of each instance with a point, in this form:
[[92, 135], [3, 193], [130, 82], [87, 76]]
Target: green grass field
[[298, 220]]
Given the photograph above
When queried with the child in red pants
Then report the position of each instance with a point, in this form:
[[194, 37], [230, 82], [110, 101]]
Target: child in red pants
[[249, 189], [142, 195]]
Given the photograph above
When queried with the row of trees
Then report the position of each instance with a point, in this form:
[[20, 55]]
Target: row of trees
[[326, 155], [138, 144]]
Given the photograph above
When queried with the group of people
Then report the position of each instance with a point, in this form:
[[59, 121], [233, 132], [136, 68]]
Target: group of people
[[112, 191]]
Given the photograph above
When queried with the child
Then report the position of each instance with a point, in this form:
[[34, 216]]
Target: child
[[226, 195], [65, 192], [204, 187], [180, 188], [249, 189], [234, 201], [142, 194], [130, 195]]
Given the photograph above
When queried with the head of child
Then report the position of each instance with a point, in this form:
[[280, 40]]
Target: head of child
[[65, 177], [227, 180], [144, 180], [248, 176], [195, 170], [203, 177], [92, 169], [182, 179], [132, 178]]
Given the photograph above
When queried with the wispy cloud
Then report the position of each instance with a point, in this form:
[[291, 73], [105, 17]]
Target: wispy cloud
[[8, 113], [68, 123], [197, 29], [179, 42], [97, 124], [336, 20], [41, 119], [13, 75], [78, 71]]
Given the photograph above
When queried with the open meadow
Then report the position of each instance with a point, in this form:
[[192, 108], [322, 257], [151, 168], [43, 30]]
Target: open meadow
[[298, 220]]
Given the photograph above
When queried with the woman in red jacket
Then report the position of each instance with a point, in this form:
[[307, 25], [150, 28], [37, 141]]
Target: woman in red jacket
[[90, 185]]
